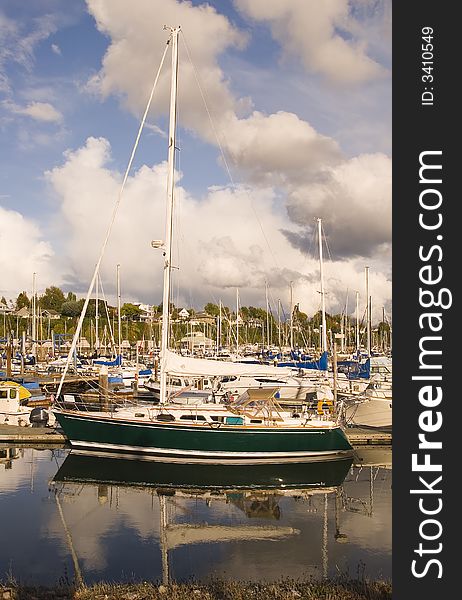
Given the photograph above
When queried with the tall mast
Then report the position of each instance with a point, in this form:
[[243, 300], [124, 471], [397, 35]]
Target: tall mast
[[357, 323], [279, 324], [169, 216], [97, 317], [291, 316], [119, 321], [323, 301], [34, 315], [237, 322], [267, 317], [368, 314]]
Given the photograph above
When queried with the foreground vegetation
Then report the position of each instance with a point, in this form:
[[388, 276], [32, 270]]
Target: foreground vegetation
[[342, 588]]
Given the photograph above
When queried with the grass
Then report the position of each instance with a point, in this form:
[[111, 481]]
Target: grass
[[342, 588]]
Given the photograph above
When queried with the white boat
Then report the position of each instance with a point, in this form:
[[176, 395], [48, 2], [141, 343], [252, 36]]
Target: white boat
[[13, 404]]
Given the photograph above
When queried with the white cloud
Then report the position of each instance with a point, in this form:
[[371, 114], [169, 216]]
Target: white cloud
[[230, 238], [354, 201], [56, 49], [23, 251], [321, 34], [137, 43], [40, 111]]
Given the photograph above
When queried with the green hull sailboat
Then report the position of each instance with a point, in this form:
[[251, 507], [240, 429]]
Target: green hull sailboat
[[252, 429]]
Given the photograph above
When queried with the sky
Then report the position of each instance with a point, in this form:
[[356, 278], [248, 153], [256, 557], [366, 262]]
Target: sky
[[284, 117]]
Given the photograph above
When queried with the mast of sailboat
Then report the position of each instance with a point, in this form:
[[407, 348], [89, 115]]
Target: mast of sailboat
[[267, 317], [357, 323], [237, 322], [279, 324], [169, 216], [291, 316], [323, 302], [34, 315], [97, 317], [368, 314], [119, 318]]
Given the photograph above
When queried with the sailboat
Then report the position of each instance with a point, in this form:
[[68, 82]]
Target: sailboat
[[252, 429]]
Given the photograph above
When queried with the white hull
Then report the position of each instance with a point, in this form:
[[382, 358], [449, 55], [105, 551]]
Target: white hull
[[372, 412]]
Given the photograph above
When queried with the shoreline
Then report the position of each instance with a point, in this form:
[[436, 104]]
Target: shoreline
[[341, 588]]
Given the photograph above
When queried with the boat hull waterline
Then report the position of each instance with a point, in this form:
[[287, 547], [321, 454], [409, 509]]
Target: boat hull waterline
[[202, 442]]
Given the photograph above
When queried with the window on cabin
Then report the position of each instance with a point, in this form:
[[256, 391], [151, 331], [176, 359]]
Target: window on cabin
[[255, 420], [217, 418], [192, 417], [12, 394]]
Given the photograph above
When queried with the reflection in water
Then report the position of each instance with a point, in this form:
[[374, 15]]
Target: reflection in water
[[121, 519], [226, 483]]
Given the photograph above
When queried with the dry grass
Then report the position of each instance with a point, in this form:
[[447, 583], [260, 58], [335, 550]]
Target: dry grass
[[285, 589]]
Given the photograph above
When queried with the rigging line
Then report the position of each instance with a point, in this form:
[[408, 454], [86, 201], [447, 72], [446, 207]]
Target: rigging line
[[196, 76], [324, 237], [109, 229]]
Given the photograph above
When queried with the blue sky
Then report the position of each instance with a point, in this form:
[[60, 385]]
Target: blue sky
[[300, 97]]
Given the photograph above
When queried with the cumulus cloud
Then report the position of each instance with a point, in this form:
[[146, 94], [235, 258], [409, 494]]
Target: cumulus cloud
[[23, 251], [354, 201], [324, 35], [137, 40], [40, 111], [226, 240]]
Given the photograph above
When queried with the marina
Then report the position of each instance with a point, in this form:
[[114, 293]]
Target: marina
[[195, 328]]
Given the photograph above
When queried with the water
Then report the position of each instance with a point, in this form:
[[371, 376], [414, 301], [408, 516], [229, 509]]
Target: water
[[66, 517]]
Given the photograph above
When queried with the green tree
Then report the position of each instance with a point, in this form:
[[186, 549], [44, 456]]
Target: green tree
[[131, 311], [22, 300], [71, 297], [212, 309], [52, 299], [71, 308]]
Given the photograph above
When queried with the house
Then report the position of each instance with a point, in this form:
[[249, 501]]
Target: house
[[183, 314], [48, 313], [196, 341]]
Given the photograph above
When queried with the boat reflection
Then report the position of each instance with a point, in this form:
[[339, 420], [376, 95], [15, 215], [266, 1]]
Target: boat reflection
[[255, 490], [86, 468]]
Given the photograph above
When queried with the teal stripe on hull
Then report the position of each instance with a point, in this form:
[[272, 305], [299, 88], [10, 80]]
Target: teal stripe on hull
[[161, 438]]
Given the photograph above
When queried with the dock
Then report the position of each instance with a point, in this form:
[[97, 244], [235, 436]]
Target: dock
[[48, 435], [13, 434]]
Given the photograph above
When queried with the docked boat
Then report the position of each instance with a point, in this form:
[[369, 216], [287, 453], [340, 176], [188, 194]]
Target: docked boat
[[252, 428], [13, 404]]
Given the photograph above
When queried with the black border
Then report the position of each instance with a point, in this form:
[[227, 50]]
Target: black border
[[418, 128]]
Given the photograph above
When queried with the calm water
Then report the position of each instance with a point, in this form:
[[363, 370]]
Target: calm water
[[65, 516]]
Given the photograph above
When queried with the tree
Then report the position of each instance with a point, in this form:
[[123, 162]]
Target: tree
[[131, 311], [22, 300], [71, 308], [212, 309], [71, 297], [52, 299]]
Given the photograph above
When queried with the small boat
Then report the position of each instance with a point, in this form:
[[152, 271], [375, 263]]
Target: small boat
[[13, 404]]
